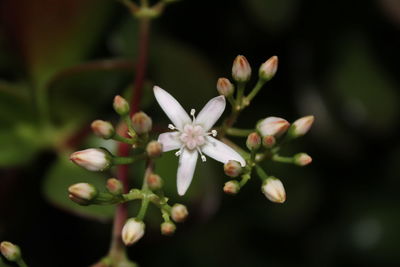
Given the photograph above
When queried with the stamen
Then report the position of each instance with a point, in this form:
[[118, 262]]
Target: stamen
[[203, 158], [192, 112], [178, 153], [214, 133], [172, 127]]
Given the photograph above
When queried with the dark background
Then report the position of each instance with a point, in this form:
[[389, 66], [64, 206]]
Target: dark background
[[338, 60]]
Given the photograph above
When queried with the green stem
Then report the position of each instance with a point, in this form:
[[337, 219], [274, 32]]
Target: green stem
[[128, 122], [245, 178], [239, 132], [261, 173], [21, 263], [127, 160], [143, 207], [122, 139], [278, 158], [240, 91], [255, 91]]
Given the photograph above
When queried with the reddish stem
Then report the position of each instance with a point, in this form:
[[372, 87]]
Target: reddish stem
[[121, 214]]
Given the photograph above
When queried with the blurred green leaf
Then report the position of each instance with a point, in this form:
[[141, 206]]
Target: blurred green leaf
[[367, 93], [63, 174], [77, 93]]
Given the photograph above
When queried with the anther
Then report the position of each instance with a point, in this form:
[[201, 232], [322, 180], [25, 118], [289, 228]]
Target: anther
[[203, 158], [214, 133], [178, 153], [192, 112], [172, 127]]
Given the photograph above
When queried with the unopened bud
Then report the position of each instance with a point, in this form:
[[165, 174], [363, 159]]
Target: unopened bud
[[92, 159], [272, 126], [103, 129], [154, 181], [141, 123], [232, 168], [132, 231], [114, 186], [268, 141], [273, 189], [168, 228], [120, 105], [179, 213], [302, 159], [231, 187], [82, 193], [10, 251], [301, 126], [224, 87], [268, 69], [154, 149], [241, 70], [253, 141]]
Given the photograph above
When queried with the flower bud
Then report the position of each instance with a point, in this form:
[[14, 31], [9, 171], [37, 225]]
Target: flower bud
[[154, 149], [232, 168], [168, 228], [231, 187], [272, 126], [103, 129], [224, 87], [179, 213], [120, 105], [10, 251], [253, 141], [92, 159], [82, 193], [268, 69], [302, 159], [141, 123], [268, 141], [273, 189], [241, 70], [114, 186], [132, 231], [301, 126], [154, 181]]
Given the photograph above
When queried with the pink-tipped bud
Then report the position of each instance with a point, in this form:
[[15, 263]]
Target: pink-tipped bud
[[132, 231], [224, 87], [253, 141], [268, 69], [10, 251], [232, 168], [103, 129], [168, 228], [120, 105], [141, 123], [268, 141], [82, 193], [154, 149], [179, 213], [273, 189], [231, 187], [272, 126], [92, 159], [301, 126], [114, 186], [302, 159], [241, 70], [154, 181]]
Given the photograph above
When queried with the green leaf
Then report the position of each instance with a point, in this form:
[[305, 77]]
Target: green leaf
[[63, 174]]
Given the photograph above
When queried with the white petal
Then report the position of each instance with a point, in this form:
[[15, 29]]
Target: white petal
[[171, 107], [187, 164], [170, 141], [211, 112], [221, 152]]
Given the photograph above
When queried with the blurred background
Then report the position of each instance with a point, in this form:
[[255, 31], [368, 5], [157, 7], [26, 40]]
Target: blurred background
[[338, 60]]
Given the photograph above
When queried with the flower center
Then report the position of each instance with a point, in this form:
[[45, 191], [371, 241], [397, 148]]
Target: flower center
[[192, 136]]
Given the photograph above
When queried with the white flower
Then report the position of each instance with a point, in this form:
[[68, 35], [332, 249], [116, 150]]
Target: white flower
[[192, 136]]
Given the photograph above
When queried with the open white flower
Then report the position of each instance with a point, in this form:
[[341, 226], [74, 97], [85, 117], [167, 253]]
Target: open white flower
[[193, 136]]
